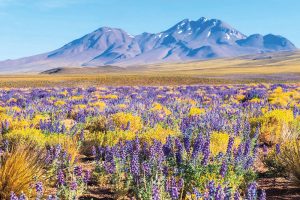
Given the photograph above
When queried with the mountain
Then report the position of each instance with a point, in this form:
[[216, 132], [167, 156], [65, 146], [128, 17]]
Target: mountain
[[187, 40]]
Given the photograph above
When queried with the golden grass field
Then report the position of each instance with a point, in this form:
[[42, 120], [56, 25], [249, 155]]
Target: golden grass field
[[280, 67]]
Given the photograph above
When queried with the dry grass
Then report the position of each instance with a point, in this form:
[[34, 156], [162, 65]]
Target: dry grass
[[18, 170], [290, 158]]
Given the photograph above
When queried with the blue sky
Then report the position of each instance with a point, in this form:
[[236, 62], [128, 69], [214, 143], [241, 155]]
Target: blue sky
[[30, 27]]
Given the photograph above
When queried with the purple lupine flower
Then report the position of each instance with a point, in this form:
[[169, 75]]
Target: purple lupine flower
[[263, 195], [57, 151], [187, 144], [218, 193], [48, 158], [206, 152], [39, 188], [211, 188], [146, 168], [22, 196], [247, 147], [223, 169], [265, 150], [94, 151], [295, 111], [52, 197], [13, 196], [81, 135], [277, 149], [179, 151], [78, 171], [180, 183], [127, 126], [227, 193], [87, 176], [5, 145], [174, 193], [197, 148], [255, 151], [60, 178], [134, 164], [73, 185], [197, 193], [155, 193], [110, 166], [237, 196], [252, 191], [230, 145], [238, 153], [165, 171], [167, 148], [249, 162]]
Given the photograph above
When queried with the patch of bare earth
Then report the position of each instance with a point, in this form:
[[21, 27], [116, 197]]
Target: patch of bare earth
[[279, 188]]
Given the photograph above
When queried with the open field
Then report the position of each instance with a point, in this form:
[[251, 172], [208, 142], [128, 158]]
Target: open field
[[272, 68]]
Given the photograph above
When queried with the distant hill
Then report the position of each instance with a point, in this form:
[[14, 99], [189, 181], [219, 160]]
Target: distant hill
[[186, 41]]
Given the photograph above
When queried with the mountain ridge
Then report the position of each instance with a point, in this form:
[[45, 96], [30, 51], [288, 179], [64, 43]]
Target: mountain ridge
[[187, 40]]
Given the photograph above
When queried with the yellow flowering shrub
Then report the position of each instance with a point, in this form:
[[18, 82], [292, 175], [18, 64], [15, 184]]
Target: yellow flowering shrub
[[158, 133], [122, 106], [240, 97], [99, 104], [122, 119], [272, 124], [219, 143], [64, 93], [196, 111], [109, 138], [79, 106], [2, 110], [37, 118], [59, 103], [278, 97], [26, 136], [110, 96], [37, 138], [255, 100], [77, 98], [15, 109], [18, 124], [157, 107]]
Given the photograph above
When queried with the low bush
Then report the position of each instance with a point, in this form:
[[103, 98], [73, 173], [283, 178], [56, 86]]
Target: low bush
[[272, 124]]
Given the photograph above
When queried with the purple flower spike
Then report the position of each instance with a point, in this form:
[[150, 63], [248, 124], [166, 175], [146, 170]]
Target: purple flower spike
[[60, 178], [87, 176], [277, 149], [155, 193], [13, 196], [223, 169], [73, 185], [263, 195]]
